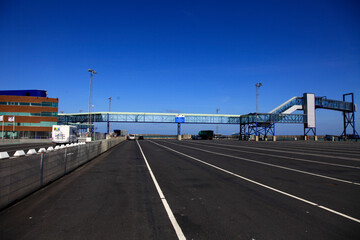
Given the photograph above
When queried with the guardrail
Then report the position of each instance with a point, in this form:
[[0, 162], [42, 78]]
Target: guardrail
[[24, 175]]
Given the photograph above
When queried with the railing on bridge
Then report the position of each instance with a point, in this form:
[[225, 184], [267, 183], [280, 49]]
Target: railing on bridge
[[148, 118], [281, 114], [189, 118], [272, 118], [323, 102], [320, 102]]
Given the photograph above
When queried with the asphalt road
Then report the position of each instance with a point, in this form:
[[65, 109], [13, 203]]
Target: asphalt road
[[214, 190], [12, 148]]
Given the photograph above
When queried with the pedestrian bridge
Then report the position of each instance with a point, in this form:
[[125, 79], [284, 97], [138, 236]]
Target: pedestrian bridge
[[255, 123], [141, 117]]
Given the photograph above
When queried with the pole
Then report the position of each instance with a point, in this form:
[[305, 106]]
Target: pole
[[258, 85], [42, 169], [178, 131], [90, 102], [2, 134], [257, 100], [92, 72], [110, 98], [14, 128], [217, 126]]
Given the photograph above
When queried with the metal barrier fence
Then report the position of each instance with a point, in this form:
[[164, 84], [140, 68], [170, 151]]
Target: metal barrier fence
[[21, 176]]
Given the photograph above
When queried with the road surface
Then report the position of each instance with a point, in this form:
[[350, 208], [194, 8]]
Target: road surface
[[168, 189]]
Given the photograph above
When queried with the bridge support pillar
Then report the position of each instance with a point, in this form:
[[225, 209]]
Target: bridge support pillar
[[349, 119], [178, 131], [108, 124], [242, 133], [307, 130]]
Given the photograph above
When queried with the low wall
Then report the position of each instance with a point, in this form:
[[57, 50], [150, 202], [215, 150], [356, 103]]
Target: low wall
[[24, 140], [23, 175]]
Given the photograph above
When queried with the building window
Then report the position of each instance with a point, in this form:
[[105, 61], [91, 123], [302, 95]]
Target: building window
[[24, 104], [43, 104]]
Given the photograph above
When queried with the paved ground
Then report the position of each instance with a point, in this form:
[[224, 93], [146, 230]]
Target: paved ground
[[214, 189]]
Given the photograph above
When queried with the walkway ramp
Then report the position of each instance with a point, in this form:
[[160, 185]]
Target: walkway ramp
[[296, 103]]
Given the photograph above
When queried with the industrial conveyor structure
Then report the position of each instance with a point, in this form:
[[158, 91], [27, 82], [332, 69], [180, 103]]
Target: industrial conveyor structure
[[250, 124]]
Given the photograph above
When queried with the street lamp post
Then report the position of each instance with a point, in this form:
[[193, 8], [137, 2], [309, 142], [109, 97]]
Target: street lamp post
[[258, 85], [92, 72], [110, 98], [217, 126]]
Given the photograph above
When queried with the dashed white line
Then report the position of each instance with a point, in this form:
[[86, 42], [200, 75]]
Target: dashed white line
[[172, 218], [263, 185]]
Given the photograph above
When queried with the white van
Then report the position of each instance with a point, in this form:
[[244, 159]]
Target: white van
[[62, 134]]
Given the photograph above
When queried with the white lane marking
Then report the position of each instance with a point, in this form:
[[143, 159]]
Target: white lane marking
[[294, 152], [263, 185], [272, 165], [272, 155], [172, 218], [320, 148]]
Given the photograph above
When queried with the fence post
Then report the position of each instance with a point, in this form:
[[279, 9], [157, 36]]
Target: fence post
[[42, 170], [65, 161]]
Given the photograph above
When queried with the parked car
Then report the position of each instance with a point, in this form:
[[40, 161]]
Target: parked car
[[204, 135], [131, 137]]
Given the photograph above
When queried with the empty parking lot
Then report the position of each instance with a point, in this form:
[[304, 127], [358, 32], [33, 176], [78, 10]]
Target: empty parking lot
[[167, 189]]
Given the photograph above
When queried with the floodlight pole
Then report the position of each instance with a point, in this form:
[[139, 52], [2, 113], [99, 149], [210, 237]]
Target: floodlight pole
[[217, 126], [258, 85], [92, 72], [110, 98]]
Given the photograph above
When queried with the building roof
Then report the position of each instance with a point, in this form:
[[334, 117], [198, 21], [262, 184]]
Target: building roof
[[29, 93]]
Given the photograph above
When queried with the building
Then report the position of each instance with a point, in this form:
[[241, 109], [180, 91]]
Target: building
[[27, 114]]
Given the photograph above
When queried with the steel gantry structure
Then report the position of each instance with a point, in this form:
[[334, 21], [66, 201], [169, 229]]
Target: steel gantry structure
[[136, 117], [250, 124]]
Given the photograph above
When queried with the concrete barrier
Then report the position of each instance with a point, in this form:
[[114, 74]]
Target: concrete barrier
[[4, 155], [19, 153], [31, 152], [22, 176]]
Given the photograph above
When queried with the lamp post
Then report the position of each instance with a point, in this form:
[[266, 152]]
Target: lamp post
[[217, 126], [110, 98], [258, 85], [92, 72]]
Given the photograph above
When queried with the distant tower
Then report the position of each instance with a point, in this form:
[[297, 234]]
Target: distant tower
[[258, 85]]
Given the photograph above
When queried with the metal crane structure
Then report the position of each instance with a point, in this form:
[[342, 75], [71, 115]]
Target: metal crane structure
[[258, 124]]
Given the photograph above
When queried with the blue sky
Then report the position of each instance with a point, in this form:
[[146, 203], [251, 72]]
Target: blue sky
[[183, 56]]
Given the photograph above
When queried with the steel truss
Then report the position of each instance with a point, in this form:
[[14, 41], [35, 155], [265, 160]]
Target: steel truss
[[349, 119], [260, 124], [308, 130]]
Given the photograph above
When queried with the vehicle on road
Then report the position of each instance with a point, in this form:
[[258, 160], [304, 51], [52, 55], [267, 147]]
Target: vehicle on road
[[204, 135], [62, 134], [119, 132], [131, 137]]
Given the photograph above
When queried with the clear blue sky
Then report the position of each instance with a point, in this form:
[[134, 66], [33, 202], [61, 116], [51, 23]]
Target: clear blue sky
[[183, 56]]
